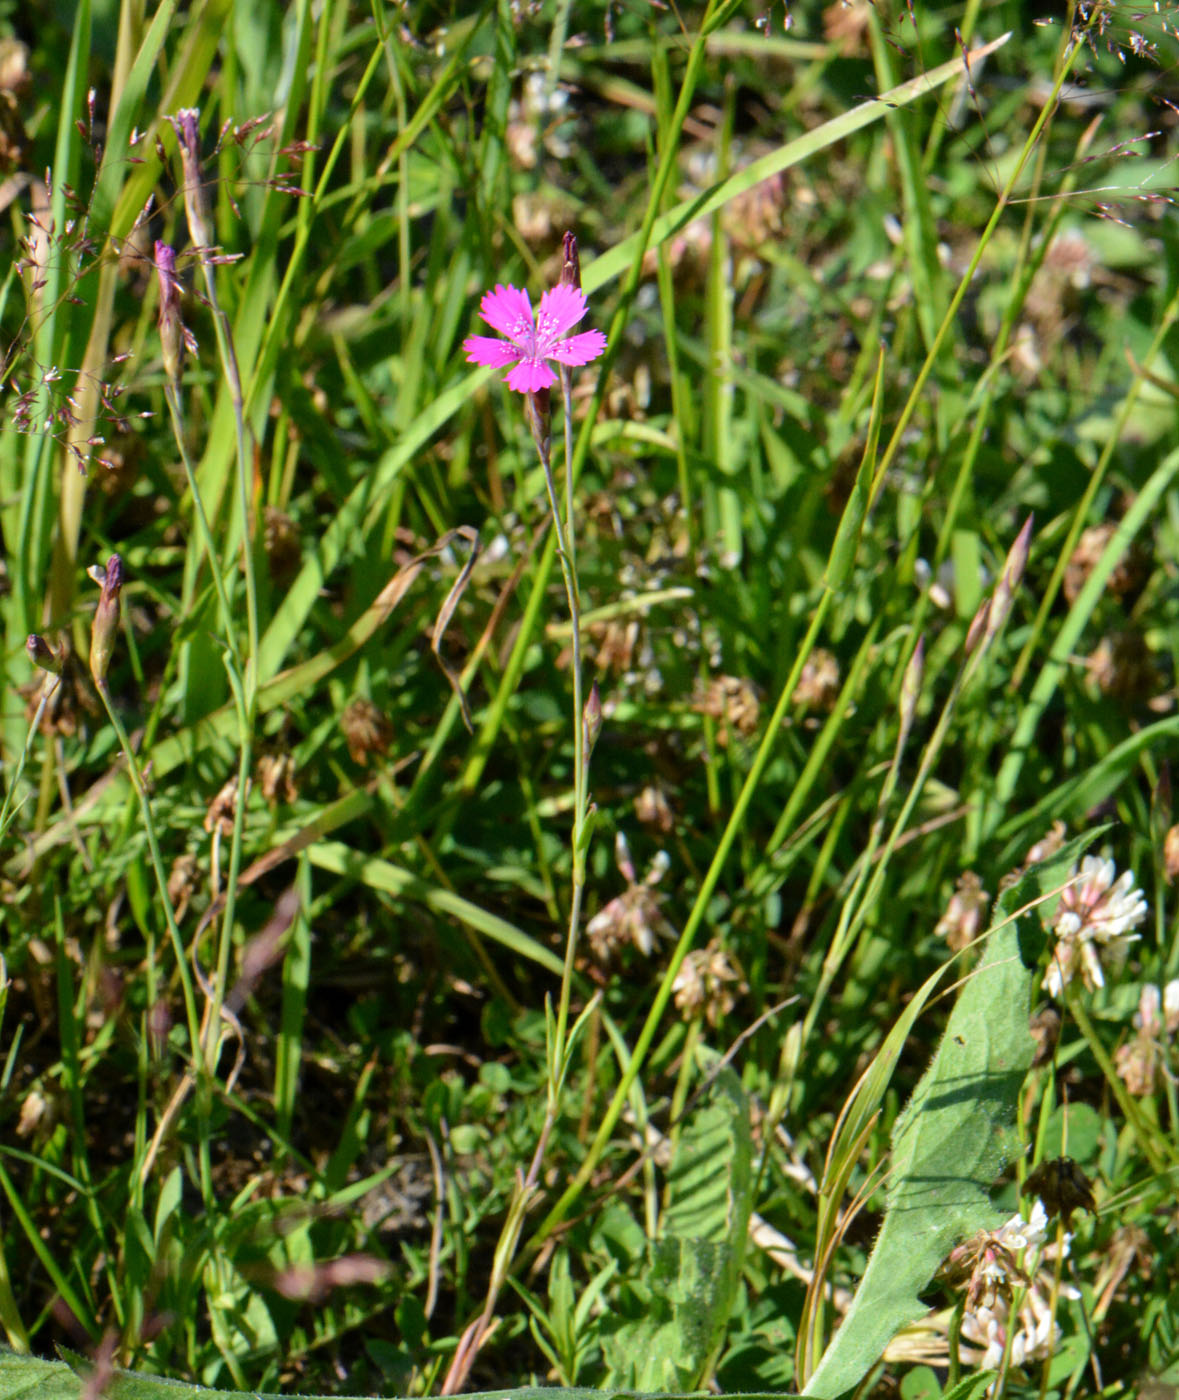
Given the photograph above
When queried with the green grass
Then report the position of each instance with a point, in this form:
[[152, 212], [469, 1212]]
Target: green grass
[[400, 1008]]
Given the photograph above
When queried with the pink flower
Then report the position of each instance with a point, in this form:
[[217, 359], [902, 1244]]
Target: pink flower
[[530, 342]]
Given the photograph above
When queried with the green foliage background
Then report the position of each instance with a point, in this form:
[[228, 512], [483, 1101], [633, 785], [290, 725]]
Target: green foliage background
[[854, 346]]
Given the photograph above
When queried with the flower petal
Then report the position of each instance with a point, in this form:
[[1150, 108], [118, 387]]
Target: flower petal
[[561, 306], [578, 349], [508, 310], [530, 375], [487, 350]]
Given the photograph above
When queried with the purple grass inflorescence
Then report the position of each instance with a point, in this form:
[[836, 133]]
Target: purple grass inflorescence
[[531, 341]]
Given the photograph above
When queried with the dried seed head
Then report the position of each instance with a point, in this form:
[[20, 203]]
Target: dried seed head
[[732, 701], [959, 925], [1129, 573], [183, 881], [280, 541], [818, 685], [37, 1114], [707, 984], [635, 916], [653, 810], [1123, 667], [366, 730], [1045, 1030], [222, 809], [1062, 1188], [1047, 846], [276, 776]]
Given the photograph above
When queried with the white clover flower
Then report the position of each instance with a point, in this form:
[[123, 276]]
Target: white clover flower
[[1098, 911], [1019, 1233], [984, 1328], [1037, 1334], [1006, 1264]]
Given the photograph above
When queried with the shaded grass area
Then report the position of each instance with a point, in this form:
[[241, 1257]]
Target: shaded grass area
[[270, 1097]]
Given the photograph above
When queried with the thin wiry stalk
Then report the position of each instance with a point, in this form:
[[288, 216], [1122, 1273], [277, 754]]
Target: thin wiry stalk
[[177, 416], [245, 684], [135, 773], [691, 927], [6, 811], [527, 1184]]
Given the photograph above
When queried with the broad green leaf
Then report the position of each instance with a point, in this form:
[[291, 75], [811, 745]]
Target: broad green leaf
[[956, 1134], [690, 1281]]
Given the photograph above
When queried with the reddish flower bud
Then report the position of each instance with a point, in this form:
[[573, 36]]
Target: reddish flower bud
[[171, 330], [42, 655], [538, 416], [106, 618], [188, 135], [571, 265]]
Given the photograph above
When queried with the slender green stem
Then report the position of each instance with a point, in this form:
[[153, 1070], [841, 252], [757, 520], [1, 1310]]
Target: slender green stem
[[564, 535], [175, 410], [1147, 1136], [526, 1186], [6, 811], [135, 773], [695, 918], [229, 367], [245, 683]]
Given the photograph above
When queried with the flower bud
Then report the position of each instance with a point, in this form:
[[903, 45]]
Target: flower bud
[[571, 265], [185, 124], [106, 620], [42, 655], [911, 687], [978, 627], [537, 414], [1013, 567], [171, 333], [591, 719]]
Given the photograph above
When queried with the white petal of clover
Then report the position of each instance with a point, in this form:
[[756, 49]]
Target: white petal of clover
[[1098, 910]]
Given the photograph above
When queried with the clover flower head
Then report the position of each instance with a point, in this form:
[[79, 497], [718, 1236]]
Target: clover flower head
[[1097, 911], [992, 1261], [1004, 1260], [707, 984], [531, 341], [1141, 1061], [1019, 1233], [635, 916]]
